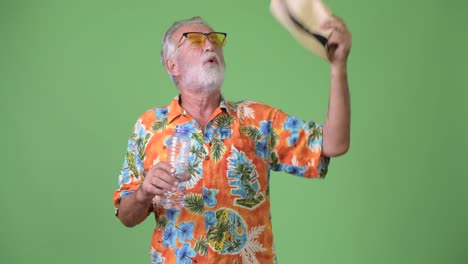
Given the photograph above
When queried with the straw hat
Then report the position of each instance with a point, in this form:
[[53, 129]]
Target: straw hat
[[302, 18]]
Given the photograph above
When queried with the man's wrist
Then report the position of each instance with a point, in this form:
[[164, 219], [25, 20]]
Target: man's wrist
[[141, 197], [339, 68]]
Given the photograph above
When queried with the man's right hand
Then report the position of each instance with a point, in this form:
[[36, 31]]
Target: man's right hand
[[158, 181]]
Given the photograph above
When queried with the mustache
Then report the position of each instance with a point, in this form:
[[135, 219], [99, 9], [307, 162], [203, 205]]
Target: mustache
[[210, 55]]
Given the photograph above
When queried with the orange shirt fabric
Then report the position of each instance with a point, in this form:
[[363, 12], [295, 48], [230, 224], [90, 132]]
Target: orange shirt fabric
[[226, 218]]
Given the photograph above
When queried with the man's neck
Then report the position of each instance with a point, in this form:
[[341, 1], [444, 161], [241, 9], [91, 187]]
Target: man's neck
[[200, 106]]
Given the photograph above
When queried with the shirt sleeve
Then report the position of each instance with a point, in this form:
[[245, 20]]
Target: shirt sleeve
[[296, 147], [132, 172]]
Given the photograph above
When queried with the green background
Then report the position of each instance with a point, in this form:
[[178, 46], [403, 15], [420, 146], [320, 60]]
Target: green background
[[75, 76]]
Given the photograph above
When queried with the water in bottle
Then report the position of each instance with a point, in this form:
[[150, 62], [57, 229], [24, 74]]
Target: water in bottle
[[178, 156]]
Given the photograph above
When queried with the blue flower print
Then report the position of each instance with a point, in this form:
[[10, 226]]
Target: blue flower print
[[139, 163], [210, 219], [187, 128], [185, 254], [125, 175], [185, 231], [278, 167], [172, 214], [168, 140], [224, 132], [295, 170], [161, 112], [261, 149], [141, 133], [209, 134], [293, 139], [209, 196], [156, 257], [293, 124], [169, 236], [265, 127]]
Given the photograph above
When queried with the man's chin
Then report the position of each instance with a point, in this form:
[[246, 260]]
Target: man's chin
[[208, 80]]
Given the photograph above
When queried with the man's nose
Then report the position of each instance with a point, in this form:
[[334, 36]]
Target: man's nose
[[209, 46]]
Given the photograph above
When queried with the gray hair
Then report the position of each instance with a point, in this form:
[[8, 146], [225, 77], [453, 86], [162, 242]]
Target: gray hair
[[168, 50]]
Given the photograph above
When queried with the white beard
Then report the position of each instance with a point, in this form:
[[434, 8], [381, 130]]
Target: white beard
[[204, 77]]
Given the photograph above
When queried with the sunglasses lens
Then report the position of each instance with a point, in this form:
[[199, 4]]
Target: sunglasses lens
[[217, 39], [196, 39]]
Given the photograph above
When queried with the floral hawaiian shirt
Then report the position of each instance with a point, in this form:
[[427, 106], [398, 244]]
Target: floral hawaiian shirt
[[226, 218]]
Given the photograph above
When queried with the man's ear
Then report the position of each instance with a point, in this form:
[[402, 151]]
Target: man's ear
[[172, 67]]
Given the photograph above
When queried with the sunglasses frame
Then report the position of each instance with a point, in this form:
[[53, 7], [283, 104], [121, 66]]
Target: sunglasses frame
[[207, 36]]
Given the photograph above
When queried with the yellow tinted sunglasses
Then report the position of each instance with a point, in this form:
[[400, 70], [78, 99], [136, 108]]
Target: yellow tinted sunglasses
[[198, 38]]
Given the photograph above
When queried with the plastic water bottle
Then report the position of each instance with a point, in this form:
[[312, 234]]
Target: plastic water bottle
[[178, 156]]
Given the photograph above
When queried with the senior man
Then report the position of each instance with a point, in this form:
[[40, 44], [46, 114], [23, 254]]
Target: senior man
[[234, 146]]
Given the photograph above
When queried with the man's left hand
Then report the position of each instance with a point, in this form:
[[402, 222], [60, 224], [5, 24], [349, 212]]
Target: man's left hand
[[339, 42]]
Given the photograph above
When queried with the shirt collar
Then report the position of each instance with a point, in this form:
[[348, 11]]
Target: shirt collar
[[176, 110], [224, 104]]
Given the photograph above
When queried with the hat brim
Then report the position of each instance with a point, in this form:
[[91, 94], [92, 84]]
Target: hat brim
[[302, 18]]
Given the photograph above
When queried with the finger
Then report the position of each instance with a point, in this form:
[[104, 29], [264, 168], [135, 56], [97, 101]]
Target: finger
[[335, 39], [184, 177], [335, 24], [339, 38], [150, 189], [163, 166], [153, 190], [165, 183], [158, 187], [161, 177]]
